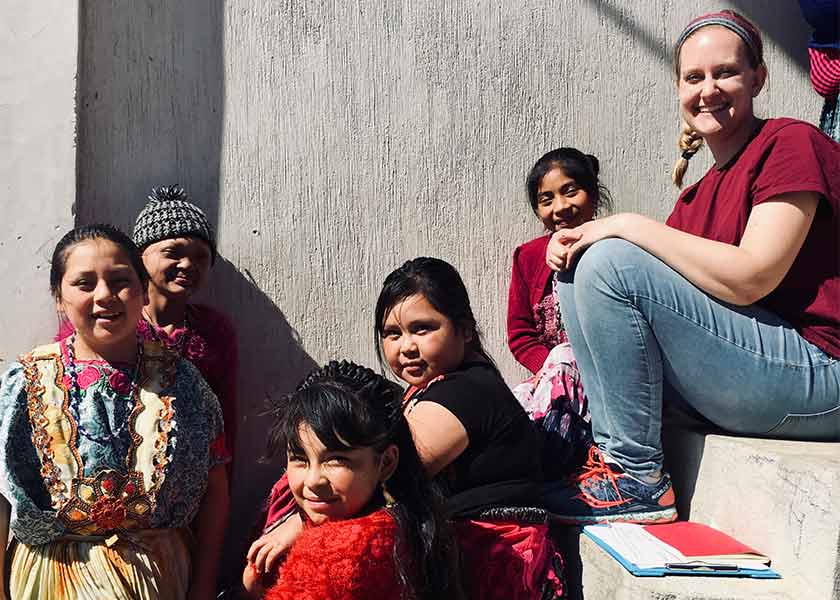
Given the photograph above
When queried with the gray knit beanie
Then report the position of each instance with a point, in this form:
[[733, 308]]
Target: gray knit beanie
[[169, 214]]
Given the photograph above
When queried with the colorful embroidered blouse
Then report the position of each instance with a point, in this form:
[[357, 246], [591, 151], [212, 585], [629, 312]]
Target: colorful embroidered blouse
[[104, 462], [209, 342]]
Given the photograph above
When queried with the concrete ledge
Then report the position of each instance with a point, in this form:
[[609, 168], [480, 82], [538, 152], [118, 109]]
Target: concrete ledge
[[781, 497], [605, 579]]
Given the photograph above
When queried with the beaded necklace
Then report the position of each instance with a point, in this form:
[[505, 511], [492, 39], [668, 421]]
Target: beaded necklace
[[180, 345], [75, 393]]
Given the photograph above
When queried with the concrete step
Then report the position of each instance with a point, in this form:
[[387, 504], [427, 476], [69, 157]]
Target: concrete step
[[781, 497], [605, 579]]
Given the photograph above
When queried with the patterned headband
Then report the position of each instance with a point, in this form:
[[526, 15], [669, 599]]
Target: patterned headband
[[731, 22]]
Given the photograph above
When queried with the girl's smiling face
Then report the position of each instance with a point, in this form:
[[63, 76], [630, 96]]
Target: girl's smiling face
[[335, 484], [102, 296], [420, 343], [178, 266], [561, 202]]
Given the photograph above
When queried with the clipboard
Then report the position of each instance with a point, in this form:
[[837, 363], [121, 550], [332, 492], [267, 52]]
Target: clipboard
[[688, 569]]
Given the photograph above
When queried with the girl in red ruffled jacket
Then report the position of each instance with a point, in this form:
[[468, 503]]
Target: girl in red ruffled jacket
[[372, 525], [564, 191]]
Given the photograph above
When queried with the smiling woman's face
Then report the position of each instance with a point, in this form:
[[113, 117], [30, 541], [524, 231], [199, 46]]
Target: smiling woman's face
[[717, 84], [178, 266]]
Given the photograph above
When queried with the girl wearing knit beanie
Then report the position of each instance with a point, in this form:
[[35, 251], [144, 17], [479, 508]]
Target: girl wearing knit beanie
[[178, 246]]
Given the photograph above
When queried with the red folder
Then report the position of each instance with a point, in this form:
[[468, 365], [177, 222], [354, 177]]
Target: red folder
[[701, 542]]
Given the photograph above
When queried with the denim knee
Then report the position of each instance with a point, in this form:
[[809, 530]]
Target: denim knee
[[602, 260]]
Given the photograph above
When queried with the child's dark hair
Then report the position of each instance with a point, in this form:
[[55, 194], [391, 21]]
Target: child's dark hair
[[582, 168], [440, 283], [84, 233], [349, 406]]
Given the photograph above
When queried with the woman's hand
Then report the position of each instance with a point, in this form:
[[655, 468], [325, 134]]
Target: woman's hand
[[566, 244], [740, 275], [265, 551]]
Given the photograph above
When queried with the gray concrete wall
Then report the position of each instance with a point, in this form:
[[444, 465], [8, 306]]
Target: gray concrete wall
[[331, 141], [38, 42]]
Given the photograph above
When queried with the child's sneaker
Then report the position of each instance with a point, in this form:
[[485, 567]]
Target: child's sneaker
[[603, 492]]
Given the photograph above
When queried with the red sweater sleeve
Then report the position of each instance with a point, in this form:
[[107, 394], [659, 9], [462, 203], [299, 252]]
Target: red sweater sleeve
[[523, 339]]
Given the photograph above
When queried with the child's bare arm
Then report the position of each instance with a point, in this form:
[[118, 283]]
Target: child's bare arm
[[267, 550]]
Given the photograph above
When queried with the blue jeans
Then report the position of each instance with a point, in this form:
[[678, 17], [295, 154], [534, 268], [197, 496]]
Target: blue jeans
[[636, 326]]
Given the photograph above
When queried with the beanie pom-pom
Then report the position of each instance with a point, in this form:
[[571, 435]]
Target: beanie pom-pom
[[168, 193]]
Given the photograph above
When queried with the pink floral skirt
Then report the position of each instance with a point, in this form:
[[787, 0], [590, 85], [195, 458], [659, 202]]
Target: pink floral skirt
[[554, 398]]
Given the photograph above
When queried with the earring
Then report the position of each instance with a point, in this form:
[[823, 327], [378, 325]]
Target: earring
[[389, 499]]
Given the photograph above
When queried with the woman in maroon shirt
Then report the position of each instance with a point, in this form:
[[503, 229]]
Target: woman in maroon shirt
[[733, 304]]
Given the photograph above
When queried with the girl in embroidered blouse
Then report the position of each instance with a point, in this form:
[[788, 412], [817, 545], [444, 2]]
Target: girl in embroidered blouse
[[372, 521], [471, 435], [564, 191], [94, 488]]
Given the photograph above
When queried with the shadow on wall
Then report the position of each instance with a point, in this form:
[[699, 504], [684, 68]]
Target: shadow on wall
[[783, 26], [651, 40], [150, 100], [150, 106], [272, 361]]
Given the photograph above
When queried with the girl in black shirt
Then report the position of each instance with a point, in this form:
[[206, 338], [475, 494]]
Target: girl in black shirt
[[470, 432]]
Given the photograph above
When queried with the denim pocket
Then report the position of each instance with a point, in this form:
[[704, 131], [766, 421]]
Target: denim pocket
[[821, 427]]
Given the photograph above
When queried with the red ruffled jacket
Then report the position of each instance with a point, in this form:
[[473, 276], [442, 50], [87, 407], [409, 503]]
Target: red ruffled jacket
[[342, 560]]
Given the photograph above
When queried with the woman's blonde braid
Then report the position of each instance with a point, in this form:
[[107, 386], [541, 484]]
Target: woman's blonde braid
[[689, 143]]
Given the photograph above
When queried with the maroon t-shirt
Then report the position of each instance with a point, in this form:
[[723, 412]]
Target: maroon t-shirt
[[785, 155]]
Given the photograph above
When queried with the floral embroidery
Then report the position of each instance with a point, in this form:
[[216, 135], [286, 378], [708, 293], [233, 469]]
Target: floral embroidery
[[88, 377], [172, 476], [119, 382], [109, 502], [546, 321], [183, 341], [196, 347], [40, 438]]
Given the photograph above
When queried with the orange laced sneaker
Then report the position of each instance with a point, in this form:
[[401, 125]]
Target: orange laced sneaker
[[602, 492]]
